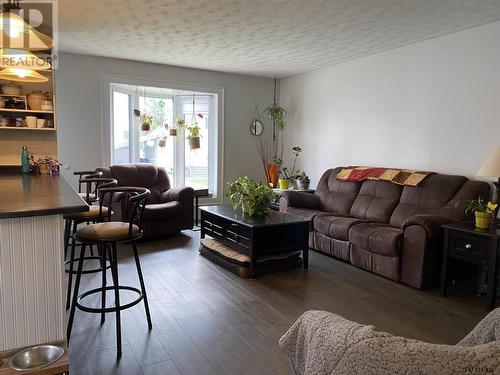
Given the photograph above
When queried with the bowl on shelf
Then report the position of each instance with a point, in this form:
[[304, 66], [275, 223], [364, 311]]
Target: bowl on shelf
[[31, 121], [11, 88]]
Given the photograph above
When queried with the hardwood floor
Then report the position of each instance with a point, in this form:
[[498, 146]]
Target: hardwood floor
[[209, 321]]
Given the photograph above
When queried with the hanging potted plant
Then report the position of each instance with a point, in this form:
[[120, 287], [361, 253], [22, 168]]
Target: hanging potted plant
[[146, 122], [194, 136], [193, 129], [277, 114]]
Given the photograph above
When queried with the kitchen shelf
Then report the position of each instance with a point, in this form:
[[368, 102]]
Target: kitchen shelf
[[23, 111], [25, 128]]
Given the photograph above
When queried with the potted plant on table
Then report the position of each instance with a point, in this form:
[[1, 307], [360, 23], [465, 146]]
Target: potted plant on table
[[252, 196], [482, 211], [302, 181], [45, 165], [288, 175]]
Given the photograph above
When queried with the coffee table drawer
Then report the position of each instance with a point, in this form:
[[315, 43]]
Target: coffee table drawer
[[469, 248]]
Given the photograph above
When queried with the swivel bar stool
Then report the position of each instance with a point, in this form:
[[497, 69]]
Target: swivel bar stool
[[107, 234], [89, 195], [93, 215]]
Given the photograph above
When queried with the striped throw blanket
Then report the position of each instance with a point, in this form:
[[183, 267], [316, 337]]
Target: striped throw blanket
[[396, 176]]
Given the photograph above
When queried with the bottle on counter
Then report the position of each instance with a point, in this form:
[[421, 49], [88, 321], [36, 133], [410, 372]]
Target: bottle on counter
[[25, 160]]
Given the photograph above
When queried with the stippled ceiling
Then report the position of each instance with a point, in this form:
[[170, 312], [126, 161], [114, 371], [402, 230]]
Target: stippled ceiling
[[259, 37]]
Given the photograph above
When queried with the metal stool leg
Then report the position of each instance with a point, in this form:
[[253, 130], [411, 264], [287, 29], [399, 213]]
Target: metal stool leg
[[143, 288], [71, 261], [67, 230], [102, 252], [114, 267], [75, 293]]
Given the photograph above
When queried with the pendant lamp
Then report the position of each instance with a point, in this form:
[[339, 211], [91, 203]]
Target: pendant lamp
[[22, 75], [17, 33]]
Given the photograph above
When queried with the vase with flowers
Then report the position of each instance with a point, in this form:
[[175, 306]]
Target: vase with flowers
[[483, 211], [45, 165]]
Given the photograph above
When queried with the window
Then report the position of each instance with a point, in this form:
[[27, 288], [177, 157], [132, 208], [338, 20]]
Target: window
[[131, 142]]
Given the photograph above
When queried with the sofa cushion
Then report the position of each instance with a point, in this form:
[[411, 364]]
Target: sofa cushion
[[336, 196], [306, 213], [376, 201], [334, 226], [433, 194], [162, 211], [377, 238]]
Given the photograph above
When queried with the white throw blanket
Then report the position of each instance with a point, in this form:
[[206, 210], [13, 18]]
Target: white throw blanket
[[320, 342]]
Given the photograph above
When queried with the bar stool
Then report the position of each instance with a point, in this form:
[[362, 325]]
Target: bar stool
[[89, 195], [109, 234], [93, 215]]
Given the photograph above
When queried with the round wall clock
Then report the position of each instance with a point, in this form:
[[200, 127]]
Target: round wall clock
[[256, 127]]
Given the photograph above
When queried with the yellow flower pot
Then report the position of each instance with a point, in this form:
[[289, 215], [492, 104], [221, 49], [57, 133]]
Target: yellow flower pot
[[283, 182], [483, 219]]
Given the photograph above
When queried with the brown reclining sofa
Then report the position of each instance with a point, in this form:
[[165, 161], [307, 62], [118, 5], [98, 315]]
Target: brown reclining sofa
[[391, 230]]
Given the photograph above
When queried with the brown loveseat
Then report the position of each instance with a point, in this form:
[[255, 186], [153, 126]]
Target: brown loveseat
[[389, 229], [169, 210]]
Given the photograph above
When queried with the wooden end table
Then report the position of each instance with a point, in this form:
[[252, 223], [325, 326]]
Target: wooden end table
[[478, 246], [256, 236]]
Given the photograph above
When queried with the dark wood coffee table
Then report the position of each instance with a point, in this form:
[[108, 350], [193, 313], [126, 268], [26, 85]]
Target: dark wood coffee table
[[256, 236]]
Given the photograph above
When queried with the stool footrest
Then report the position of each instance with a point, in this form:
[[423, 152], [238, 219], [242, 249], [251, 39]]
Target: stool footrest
[[99, 310], [84, 272]]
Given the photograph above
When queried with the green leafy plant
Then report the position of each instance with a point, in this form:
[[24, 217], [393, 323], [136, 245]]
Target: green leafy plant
[[479, 205], [252, 196], [276, 113], [284, 171]]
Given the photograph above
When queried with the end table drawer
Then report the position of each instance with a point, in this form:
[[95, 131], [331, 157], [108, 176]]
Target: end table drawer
[[469, 248]]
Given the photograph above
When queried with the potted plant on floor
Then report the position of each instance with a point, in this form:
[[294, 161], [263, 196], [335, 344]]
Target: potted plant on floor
[[252, 196], [482, 211]]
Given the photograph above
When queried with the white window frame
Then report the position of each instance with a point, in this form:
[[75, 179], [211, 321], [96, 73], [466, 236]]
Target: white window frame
[[215, 167]]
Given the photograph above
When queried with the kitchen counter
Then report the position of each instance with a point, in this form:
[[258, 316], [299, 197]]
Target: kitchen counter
[[32, 283], [24, 195]]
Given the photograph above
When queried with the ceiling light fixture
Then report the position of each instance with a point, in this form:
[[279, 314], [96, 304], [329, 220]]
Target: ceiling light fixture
[[17, 33], [22, 75]]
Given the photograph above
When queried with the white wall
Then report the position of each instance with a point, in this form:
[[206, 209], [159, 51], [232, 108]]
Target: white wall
[[434, 106], [79, 101]]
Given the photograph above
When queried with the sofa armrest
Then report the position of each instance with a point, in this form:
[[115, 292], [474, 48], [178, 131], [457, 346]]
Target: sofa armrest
[[183, 195], [430, 223], [298, 199]]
